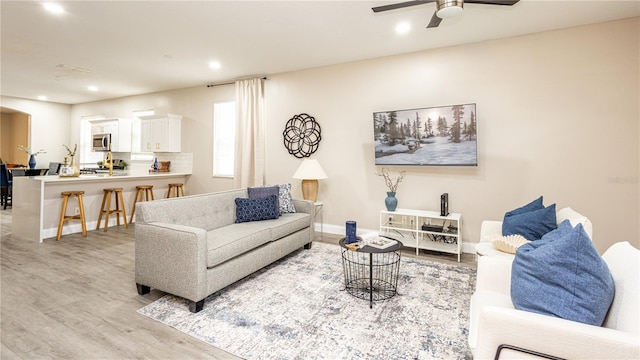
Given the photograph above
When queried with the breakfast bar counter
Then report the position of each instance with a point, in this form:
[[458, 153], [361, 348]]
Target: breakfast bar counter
[[37, 201]]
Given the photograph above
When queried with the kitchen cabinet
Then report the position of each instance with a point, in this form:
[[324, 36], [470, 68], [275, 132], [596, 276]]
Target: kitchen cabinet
[[161, 133], [120, 130]]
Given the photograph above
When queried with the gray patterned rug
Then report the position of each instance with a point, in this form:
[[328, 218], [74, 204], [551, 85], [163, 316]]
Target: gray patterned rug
[[297, 308]]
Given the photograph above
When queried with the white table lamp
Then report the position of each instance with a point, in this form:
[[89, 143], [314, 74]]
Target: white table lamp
[[309, 172]]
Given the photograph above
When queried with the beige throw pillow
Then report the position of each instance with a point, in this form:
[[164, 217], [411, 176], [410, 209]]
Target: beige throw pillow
[[509, 243]]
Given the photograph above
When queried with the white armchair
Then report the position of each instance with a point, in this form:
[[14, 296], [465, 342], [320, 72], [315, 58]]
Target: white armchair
[[497, 330], [493, 228]]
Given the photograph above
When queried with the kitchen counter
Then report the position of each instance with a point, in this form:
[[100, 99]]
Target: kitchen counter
[[37, 201]]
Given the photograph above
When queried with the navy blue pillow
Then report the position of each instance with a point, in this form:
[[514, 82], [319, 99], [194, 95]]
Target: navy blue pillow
[[264, 208], [532, 225], [562, 275], [263, 191], [534, 205]]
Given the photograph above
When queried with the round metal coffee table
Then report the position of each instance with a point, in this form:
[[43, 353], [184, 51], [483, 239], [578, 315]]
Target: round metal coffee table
[[371, 273]]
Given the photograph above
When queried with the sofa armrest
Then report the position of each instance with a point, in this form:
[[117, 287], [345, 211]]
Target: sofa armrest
[[494, 274], [550, 335], [489, 229], [172, 258], [306, 206]]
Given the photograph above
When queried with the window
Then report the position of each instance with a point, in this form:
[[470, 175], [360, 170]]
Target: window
[[224, 138]]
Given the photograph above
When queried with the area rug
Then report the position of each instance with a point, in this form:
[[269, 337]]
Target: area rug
[[297, 308]]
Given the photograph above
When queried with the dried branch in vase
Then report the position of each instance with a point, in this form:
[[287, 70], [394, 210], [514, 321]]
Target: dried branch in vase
[[392, 183]]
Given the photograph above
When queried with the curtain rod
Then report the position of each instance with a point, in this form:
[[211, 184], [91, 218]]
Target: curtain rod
[[232, 82]]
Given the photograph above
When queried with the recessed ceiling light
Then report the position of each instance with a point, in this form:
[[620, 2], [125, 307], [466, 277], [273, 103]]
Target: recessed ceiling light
[[403, 28], [92, 88], [53, 8], [42, 98], [215, 65]]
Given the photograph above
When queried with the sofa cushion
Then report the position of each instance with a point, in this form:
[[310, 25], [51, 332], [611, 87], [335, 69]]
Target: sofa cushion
[[264, 208], [285, 199], [534, 205], [562, 275], [233, 240], [288, 224], [532, 224], [264, 191]]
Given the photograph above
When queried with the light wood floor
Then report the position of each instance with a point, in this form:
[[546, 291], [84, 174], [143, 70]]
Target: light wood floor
[[76, 299]]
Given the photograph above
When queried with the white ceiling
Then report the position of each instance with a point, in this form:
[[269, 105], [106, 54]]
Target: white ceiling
[[136, 47]]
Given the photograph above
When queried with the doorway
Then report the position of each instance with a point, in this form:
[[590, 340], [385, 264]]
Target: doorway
[[14, 131]]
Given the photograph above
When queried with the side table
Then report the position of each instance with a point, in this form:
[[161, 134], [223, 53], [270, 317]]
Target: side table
[[371, 273]]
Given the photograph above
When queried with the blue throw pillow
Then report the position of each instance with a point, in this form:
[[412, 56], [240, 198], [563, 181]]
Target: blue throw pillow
[[264, 191], [532, 225], [534, 205], [256, 209], [563, 276]]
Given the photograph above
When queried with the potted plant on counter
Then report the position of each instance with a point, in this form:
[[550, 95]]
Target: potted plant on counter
[[73, 169], [32, 155]]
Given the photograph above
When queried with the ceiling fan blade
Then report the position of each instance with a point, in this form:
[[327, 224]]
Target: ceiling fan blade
[[435, 21], [401, 5], [492, 2]]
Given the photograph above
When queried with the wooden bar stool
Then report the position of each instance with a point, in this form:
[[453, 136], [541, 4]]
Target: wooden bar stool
[[63, 212], [176, 189], [105, 208], [146, 190]]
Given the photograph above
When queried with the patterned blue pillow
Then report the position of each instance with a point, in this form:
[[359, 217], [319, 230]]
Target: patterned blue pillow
[[286, 201], [532, 225], [562, 275], [256, 209], [264, 191]]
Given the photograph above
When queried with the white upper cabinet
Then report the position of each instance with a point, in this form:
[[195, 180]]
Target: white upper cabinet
[[160, 133], [120, 130]]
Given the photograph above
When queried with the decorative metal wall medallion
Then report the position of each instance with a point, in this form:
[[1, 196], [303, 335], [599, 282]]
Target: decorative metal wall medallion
[[302, 135]]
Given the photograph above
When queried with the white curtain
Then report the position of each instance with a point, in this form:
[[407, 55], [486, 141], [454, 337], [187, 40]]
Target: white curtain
[[249, 160]]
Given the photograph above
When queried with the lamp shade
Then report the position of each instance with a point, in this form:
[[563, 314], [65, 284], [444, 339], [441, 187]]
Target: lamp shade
[[310, 169]]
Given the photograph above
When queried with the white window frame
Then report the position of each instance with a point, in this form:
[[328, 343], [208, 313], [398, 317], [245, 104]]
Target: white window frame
[[224, 138]]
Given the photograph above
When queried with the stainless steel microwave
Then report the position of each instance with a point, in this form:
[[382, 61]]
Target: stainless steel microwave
[[102, 142]]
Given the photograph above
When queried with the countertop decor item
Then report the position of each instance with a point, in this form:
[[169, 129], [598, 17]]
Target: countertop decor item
[[32, 155], [73, 169], [302, 135]]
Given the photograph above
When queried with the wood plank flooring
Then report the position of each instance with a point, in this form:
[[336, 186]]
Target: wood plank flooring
[[76, 299]]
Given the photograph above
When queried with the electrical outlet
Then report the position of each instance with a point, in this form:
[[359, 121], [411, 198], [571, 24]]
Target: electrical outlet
[[77, 211]]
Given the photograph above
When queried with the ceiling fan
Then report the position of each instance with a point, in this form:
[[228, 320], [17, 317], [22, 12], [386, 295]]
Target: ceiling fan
[[445, 8]]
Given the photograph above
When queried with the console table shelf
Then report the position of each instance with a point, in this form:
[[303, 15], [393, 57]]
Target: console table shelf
[[424, 229]]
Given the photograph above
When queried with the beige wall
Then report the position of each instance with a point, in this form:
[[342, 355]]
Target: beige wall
[[50, 128], [558, 115]]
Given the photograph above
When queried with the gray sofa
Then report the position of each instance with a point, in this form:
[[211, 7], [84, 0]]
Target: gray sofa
[[191, 246]]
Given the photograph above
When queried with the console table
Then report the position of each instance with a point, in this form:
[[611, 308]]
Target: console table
[[371, 273], [425, 229]]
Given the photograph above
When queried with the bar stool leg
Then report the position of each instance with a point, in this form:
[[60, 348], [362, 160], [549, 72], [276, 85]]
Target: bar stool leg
[[123, 210], [82, 218], [107, 211], [62, 215], [136, 198], [181, 190], [104, 200]]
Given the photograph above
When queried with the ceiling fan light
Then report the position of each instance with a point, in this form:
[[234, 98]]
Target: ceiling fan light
[[449, 8]]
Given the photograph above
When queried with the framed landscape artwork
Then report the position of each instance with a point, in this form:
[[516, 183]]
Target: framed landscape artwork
[[444, 135]]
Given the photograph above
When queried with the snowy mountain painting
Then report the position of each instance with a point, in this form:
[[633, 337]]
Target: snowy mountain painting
[[443, 135]]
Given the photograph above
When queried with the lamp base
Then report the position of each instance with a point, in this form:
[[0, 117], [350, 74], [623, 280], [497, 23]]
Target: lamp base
[[310, 190]]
